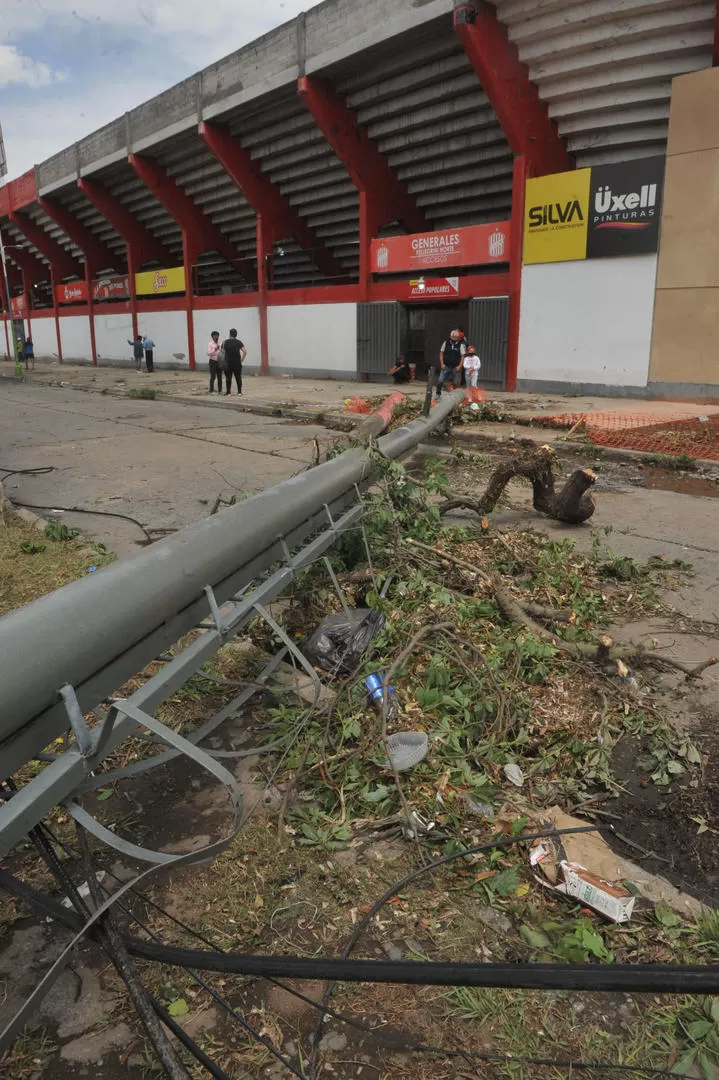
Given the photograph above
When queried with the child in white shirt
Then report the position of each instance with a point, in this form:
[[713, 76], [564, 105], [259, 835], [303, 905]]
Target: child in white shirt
[[471, 364]]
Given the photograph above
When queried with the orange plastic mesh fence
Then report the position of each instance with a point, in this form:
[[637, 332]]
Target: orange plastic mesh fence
[[696, 436]]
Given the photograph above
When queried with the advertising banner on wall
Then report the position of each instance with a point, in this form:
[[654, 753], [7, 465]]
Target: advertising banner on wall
[[607, 210], [111, 288], [624, 208], [472, 245], [443, 287], [18, 306], [160, 282], [74, 293], [555, 217]]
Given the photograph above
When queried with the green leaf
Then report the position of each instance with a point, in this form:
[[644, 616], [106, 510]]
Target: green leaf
[[685, 1063], [534, 938], [505, 882], [106, 793], [178, 1008], [698, 1029], [675, 768], [709, 1070], [378, 795], [714, 1009], [666, 916], [693, 755]]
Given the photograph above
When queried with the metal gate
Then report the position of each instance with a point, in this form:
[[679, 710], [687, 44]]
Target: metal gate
[[379, 337], [488, 323]]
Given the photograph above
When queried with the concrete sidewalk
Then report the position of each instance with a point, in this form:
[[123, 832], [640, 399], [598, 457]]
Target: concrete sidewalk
[[313, 396]]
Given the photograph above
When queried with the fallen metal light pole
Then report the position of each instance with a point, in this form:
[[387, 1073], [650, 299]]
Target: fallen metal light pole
[[97, 632]]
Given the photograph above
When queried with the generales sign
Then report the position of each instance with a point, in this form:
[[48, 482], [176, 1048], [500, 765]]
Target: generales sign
[[473, 245]]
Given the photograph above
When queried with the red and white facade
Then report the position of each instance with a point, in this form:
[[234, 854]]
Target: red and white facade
[[362, 154]]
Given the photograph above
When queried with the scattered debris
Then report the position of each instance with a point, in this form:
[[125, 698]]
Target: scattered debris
[[338, 643], [406, 749], [514, 774]]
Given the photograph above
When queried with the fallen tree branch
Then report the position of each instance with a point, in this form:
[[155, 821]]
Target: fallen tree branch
[[573, 504], [516, 612]]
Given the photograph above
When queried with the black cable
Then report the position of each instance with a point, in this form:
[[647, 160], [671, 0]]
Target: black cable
[[637, 978], [27, 472], [52, 909], [191, 1045], [93, 513], [619, 978]]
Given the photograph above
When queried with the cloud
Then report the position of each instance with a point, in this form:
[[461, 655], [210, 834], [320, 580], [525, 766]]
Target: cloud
[[16, 69], [88, 62]]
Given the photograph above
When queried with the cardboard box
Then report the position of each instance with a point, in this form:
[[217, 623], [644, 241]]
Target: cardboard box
[[608, 898]]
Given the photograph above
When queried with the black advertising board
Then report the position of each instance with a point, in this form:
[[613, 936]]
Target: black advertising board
[[625, 205]]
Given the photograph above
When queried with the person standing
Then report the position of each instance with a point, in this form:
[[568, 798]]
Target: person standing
[[138, 351], [149, 346], [29, 353], [214, 349], [235, 353], [471, 364], [451, 356]]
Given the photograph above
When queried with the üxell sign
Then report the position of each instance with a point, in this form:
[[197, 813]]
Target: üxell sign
[[625, 204]]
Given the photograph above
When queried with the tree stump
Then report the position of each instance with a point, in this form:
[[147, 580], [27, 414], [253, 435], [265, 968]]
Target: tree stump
[[573, 504]]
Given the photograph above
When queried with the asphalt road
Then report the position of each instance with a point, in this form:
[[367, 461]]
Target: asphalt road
[[162, 462]]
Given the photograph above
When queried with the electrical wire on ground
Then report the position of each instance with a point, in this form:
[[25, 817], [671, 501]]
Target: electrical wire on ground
[[418, 1047], [53, 910], [150, 534]]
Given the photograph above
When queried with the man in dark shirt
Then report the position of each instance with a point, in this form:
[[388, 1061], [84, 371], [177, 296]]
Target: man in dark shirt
[[401, 372], [235, 353], [451, 356]]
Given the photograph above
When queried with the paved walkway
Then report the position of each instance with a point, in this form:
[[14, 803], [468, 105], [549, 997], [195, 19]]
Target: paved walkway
[[327, 395]]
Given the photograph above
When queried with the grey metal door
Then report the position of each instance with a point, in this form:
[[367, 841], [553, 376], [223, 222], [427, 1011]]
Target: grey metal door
[[379, 336], [488, 323]]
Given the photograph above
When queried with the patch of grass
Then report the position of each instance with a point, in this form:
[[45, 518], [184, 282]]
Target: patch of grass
[[148, 393], [30, 568], [29, 1055], [670, 461], [58, 531]]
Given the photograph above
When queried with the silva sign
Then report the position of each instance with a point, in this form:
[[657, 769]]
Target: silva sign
[[160, 282], [473, 245], [591, 213], [555, 224]]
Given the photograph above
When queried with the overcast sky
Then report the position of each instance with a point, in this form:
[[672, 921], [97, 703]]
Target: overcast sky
[[70, 66]]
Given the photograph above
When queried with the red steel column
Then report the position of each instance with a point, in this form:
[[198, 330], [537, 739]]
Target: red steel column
[[515, 99], [198, 231], [519, 179], [97, 256], [264, 252], [266, 200], [141, 246], [382, 196], [6, 313]]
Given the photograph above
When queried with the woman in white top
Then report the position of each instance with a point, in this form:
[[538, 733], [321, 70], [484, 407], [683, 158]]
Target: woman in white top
[[213, 350], [471, 364]]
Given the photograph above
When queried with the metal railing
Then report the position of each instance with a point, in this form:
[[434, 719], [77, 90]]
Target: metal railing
[[99, 631]]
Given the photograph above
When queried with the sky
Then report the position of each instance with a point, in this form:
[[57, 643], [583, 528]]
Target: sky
[[69, 66]]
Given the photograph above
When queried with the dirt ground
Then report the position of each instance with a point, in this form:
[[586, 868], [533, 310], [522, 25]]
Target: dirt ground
[[295, 882]]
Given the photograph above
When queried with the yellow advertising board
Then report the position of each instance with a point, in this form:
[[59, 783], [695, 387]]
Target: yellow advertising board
[[556, 214], [160, 282]]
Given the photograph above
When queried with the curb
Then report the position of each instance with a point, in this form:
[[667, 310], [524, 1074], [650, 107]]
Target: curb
[[332, 421]]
